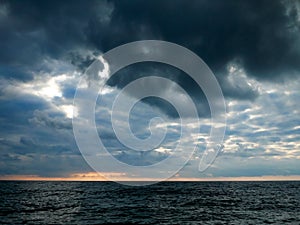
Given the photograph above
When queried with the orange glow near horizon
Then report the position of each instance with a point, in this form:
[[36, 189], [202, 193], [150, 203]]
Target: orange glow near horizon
[[94, 176]]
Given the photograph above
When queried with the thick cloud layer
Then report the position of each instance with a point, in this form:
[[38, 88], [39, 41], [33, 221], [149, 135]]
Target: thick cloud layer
[[251, 46], [263, 36]]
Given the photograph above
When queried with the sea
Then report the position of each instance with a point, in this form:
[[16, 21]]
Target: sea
[[61, 202]]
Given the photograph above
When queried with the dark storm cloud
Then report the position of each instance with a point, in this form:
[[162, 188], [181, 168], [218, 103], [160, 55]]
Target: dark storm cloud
[[33, 31], [139, 70], [17, 72], [262, 35]]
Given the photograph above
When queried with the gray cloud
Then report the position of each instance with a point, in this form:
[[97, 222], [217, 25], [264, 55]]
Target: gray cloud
[[33, 31], [41, 39], [266, 42], [43, 119]]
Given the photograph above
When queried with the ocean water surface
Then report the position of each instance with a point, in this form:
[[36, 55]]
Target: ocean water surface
[[34, 202]]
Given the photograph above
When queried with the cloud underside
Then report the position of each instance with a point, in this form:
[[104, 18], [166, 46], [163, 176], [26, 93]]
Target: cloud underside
[[265, 42]]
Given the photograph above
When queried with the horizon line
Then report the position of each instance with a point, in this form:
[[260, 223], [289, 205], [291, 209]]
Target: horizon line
[[99, 178]]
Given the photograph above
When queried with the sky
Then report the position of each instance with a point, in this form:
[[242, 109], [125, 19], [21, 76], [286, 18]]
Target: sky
[[252, 47]]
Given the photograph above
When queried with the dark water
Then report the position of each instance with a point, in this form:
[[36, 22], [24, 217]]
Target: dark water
[[163, 203]]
